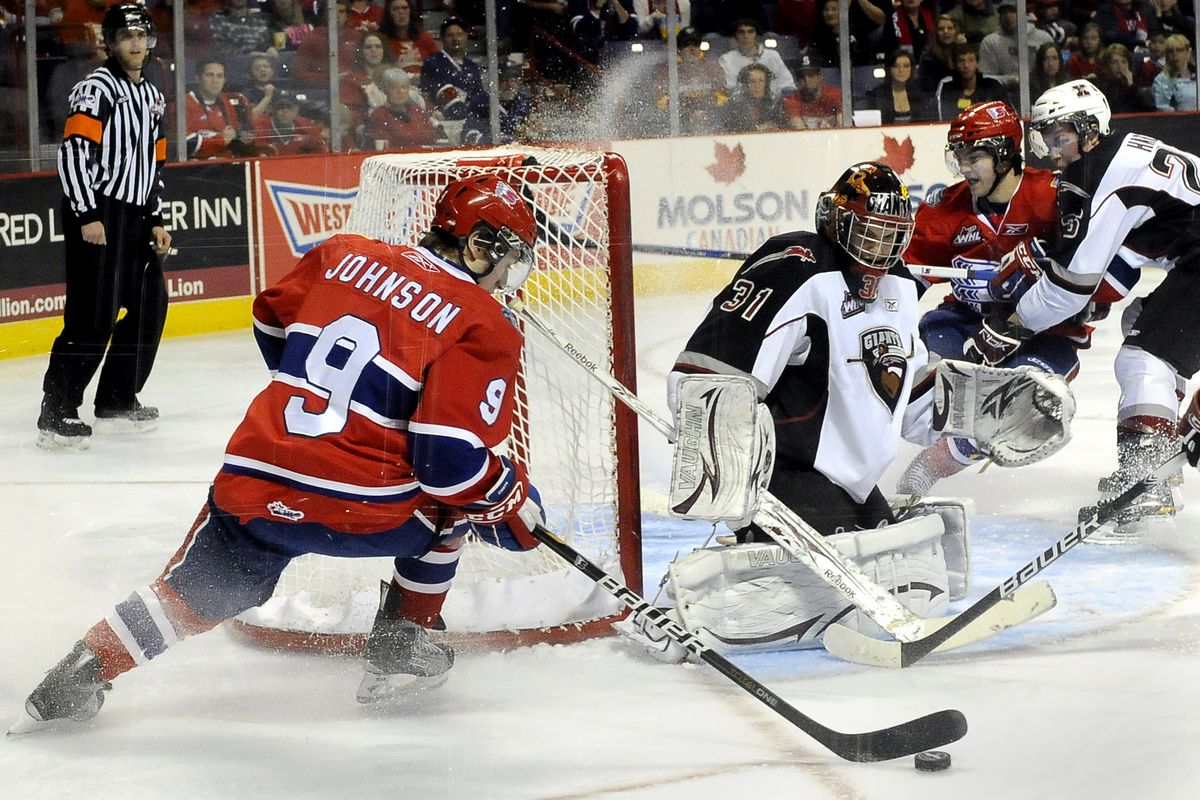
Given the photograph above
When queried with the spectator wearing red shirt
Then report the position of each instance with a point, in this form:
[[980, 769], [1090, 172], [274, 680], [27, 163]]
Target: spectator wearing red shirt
[[364, 15], [360, 87], [218, 122], [400, 123], [813, 104], [283, 132], [1085, 62], [311, 67], [404, 32], [909, 27], [1127, 22]]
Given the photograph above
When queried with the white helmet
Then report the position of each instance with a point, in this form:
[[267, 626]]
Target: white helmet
[[1077, 103]]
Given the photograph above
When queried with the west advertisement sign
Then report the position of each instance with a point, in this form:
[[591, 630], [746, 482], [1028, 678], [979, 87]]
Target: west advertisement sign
[[207, 210]]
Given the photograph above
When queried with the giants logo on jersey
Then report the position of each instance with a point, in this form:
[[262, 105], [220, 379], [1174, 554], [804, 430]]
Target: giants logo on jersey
[[886, 361], [968, 234]]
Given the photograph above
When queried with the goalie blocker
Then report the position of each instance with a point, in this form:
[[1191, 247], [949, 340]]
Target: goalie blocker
[[755, 597]]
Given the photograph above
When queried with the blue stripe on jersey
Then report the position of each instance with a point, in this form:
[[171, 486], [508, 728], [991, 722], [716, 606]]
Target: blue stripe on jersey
[[378, 391], [443, 464], [426, 573], [270, 346], [137, 619]]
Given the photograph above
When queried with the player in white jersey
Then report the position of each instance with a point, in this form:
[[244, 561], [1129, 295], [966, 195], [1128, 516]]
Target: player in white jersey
[[1138, 199]]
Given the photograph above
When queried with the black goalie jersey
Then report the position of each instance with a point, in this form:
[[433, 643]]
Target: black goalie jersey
[[836, 373]]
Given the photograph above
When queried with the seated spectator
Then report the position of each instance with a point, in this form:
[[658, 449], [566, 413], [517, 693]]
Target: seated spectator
[[748, 50], [1173, 19], [405, 35], [898, 98], [998, 52], [516, 107], [754, 106], [938, 60], [1085, 61], [364, 15], [652, 17], [77, 17], [910, 27], [288, 26], [260, 89], [701, 86], [311, 67], [241, 28], [449, 78], [975, 18], [283, 132], [400, 123], [594, 22], [1050, 19], [1117, 80], [1049, 70], [360, 86], [218, 122], [1156, 52], [1127, 22], [1174, 88], [814, 104], [966, 86]]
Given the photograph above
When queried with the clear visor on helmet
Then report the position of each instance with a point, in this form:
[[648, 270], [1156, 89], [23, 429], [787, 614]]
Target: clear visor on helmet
[[1053, 135], [136, 32], [875, 241], [966, 153], [509, 253]]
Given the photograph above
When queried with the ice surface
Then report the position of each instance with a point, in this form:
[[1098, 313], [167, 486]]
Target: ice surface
[[1097, 699]]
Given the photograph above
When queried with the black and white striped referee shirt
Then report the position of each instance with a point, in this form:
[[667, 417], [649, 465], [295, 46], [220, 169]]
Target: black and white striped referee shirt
[[113, 143]]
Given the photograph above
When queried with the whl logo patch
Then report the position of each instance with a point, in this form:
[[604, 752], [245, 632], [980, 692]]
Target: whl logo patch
[[968, 234], [309, 214]]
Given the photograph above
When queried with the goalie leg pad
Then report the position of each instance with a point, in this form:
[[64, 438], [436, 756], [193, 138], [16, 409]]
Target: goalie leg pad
[[754, 597], [724, 449], [956, 514]]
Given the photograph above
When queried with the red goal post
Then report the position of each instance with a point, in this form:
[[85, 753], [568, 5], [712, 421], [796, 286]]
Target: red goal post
[[579, 444]]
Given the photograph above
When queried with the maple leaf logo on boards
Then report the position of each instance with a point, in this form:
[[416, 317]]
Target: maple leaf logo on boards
[[897, 154], [730, 163]]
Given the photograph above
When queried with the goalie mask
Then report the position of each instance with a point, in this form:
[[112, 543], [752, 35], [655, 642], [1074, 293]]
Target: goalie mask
[[1077, 104], [993, 127], [499, 219], [132, 16], [868, 214]]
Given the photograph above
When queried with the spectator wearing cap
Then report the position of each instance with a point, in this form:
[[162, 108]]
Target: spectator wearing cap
[[404, 32], [449, 78], [400, 123], [283, 132], [1127, 22], [754, 106], [999, 51], [966, 86], [516, 107], [975, 18], [748, 50], [702, 89], [1050, 19], [898, 99], [909, 27], [814, 104]]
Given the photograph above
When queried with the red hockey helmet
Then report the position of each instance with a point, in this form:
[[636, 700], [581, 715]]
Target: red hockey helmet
[[992, 126], [868, 213], [485, 201]]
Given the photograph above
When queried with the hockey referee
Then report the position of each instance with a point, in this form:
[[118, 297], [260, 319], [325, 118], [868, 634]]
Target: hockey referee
[[110, 163]]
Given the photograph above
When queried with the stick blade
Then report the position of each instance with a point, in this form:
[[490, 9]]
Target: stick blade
[[916, 736]]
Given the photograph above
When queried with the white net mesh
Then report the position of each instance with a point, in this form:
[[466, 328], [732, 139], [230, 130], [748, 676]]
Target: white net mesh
[[565, 431]]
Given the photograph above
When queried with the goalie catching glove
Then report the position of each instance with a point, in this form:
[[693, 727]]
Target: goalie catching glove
[[1016, 416], [509, 511]]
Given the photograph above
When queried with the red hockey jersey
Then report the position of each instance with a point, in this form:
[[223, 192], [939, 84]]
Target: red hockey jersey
[[393, 377]]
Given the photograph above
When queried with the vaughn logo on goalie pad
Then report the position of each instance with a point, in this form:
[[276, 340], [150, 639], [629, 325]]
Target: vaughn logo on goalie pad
[[886, 362]]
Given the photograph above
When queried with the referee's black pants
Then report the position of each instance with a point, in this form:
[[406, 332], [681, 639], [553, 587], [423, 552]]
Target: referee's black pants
[[101, 280]]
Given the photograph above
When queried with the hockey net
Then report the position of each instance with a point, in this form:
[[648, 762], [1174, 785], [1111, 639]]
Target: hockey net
[[578, 444]]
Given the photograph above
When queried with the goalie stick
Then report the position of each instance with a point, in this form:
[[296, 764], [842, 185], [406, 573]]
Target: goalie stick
[[784, 525], [848, 645], [908, 738]]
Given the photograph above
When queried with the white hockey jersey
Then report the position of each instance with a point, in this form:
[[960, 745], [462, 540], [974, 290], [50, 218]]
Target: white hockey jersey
[[838, 374]]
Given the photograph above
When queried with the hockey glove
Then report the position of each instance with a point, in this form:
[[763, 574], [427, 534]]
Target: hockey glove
[[1189, 430], [1019, 270], [509, 511], [994, 342]]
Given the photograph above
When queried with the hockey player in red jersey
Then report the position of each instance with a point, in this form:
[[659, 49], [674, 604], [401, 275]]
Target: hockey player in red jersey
[[998, 205], [393, 372]]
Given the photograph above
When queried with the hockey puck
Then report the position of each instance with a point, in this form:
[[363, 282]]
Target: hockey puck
[[932, 761]]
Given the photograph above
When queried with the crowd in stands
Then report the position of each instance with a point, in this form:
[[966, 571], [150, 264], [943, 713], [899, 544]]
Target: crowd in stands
[[411, 71]]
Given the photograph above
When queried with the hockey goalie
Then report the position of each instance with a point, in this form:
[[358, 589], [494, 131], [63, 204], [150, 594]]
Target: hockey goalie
[[800, 381]]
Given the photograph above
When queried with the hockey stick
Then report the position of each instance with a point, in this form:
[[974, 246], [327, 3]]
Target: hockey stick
[[851, 646], [795, 535], [908, 738]]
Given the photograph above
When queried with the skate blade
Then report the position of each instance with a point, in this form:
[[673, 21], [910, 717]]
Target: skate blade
[[48, 440], [121, 425], [1134, 533], [382, 688]]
